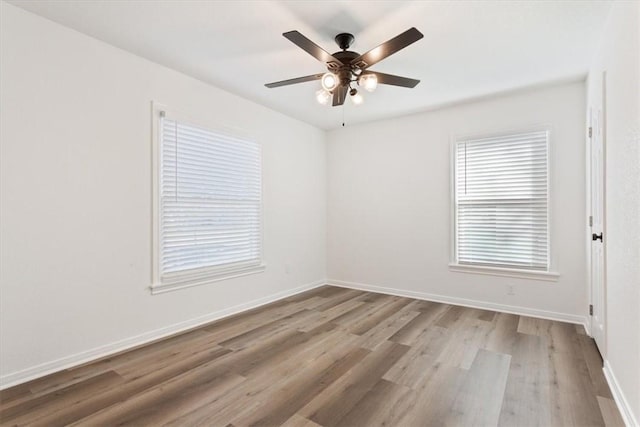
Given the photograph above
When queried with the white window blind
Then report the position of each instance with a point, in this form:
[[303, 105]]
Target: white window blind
[[501, 201], [210, 215]]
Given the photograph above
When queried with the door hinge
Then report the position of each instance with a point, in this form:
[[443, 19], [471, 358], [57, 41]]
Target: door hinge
[[590, 131], [590, 221], [590, 309]]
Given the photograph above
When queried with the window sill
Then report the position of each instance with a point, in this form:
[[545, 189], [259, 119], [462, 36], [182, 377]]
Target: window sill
[[181, 282], [548, 276]]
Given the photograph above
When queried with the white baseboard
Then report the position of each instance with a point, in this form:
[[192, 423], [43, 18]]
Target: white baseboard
[[625, 409], [485, 305], [587, 326], [67, 362]]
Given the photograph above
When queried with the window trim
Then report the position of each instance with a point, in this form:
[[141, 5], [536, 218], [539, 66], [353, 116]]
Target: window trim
[[550, 274], [204, 275]]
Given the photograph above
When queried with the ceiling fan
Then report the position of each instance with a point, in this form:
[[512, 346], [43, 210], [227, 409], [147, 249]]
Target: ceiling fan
[[346, 68]]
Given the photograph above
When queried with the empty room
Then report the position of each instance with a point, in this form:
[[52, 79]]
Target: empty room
[[319, 213]]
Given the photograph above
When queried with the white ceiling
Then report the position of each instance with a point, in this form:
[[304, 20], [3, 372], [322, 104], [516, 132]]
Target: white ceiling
[[470, 48]]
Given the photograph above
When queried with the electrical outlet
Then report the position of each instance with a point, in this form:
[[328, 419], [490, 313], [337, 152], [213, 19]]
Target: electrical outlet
[[510, 290]]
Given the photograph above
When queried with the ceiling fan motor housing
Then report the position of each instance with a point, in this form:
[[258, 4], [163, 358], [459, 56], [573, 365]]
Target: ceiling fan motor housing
[[344, 71]]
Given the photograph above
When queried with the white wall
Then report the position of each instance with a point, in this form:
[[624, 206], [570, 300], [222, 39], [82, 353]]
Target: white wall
[[76, 198], [389, 210], [619, 56]]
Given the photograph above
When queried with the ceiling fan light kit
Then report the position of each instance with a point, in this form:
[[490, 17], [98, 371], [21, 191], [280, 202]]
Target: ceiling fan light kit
[[346, 68]]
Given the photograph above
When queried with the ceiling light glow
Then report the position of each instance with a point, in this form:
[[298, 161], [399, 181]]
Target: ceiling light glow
[[323, 96], [329, 81], [369, 82], [357, 99]]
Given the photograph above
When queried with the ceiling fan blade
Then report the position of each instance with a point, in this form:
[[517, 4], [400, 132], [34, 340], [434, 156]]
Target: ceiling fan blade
[[339, 95], [295, 81], [390, 79], [387, 48], [310, 47]]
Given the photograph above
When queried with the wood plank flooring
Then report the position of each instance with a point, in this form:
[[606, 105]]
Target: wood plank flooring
[[337, 357]]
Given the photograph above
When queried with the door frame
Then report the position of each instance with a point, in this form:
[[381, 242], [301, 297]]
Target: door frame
[[591, 110]]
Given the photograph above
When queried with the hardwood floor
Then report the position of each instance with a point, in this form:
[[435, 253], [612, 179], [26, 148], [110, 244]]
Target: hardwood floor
[[337, 357]]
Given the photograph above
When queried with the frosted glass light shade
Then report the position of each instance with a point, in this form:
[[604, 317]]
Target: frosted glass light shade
[[369, 82], [329, 81], [323, 96]]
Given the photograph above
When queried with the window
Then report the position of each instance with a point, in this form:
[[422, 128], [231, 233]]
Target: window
[[501, 201], [209, 205]]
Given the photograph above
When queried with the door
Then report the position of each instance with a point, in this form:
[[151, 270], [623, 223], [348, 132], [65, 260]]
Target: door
[[597, 227]]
